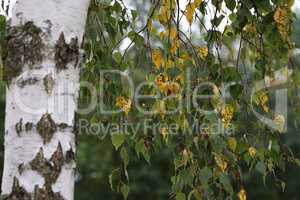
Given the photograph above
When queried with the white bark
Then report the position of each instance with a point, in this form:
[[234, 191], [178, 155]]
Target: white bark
[[30, 102]]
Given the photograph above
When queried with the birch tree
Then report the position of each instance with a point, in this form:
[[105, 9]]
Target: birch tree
[[41, 60]]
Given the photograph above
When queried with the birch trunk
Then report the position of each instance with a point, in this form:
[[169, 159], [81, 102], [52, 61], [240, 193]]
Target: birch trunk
[[41, 67]]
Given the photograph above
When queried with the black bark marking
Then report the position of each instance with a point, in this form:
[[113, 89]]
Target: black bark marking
[[21, 168], [46, 127], [46, 193], [66, 53], [63, 126], [51, 169], [76, 127], [41, 165], [28, 126], [48, 83], [23, 82], [70, 155], [49, 26], [18, 192], [58, 161], [23, 45], [19, 126]]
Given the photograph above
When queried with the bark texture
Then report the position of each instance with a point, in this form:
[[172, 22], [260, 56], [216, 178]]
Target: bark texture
[[41, 67]]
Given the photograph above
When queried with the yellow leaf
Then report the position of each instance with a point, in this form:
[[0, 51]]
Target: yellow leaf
[[173, 33], [174, 47], [165, 14], [252, 151], [149, 25], [203, 52], [280, 122], [226, 113], [173, 88], [232, 143], [156, 58], [124, 104], [222, 163], [242, 195], [262, 99], [281, 17], [161, 35], [189, 12]]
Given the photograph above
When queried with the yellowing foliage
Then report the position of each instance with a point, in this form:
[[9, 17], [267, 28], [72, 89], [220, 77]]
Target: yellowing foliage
[[165, 14], [173, 33], [157, 58], [149, 25], [262, 100], [222, 163], [281, 17], [124, 104], [252, 151], [242, 195], [280, 122], [232, 143], [166, 86], [189, 12], [226, 113], [174, 47], [203, 52]]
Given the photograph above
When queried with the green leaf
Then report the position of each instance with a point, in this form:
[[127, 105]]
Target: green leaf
[[230, 4], [217, 21], [113, 178], [283, 185], [297, 162], [134, 14], [180, 196], [236, 90], [125, 158], [141, 149], [136, 38], [125, 191], [261, 167], [117, 140], [205, 176], [111, 181], [225, 181], [117, 56]]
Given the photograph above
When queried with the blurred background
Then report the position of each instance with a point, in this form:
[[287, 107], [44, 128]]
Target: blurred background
[[96, 158]]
